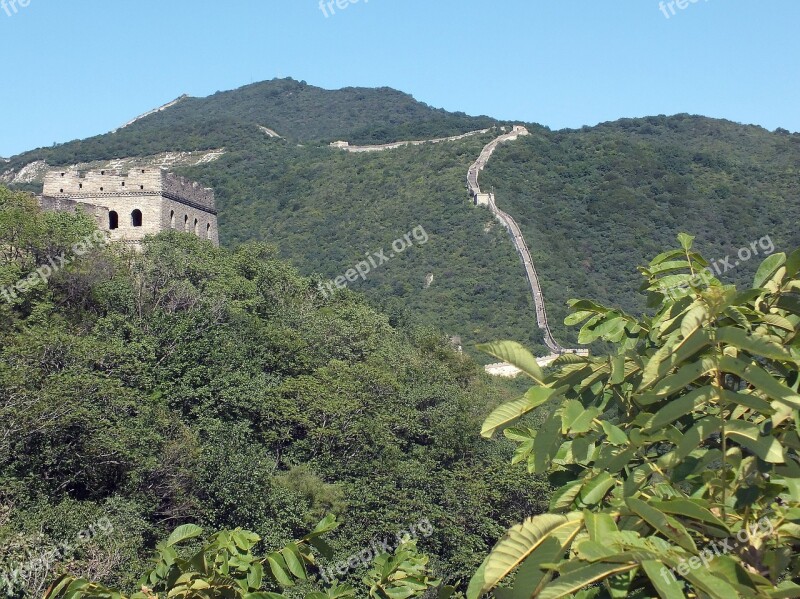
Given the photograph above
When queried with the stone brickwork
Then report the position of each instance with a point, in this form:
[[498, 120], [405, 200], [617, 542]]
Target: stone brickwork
[[99, 213], [141, 202]]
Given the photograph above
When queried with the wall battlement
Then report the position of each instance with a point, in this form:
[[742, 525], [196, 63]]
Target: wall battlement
[[144, 181], [185, 189]]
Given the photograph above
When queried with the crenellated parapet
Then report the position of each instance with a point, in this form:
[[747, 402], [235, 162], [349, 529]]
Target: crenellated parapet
[[136, 182], [131, 205], [181, 188]]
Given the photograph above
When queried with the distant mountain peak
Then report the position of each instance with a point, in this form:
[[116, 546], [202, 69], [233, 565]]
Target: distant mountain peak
[[293, 110], [154, 111]]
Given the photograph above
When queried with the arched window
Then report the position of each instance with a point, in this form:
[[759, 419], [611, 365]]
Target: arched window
[[136, 218], [196, 228], [172, 219], [113, 220], [186, 222], [208, 231]]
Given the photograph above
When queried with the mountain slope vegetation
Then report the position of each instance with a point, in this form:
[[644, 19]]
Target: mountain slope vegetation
[[219, 387], [595, 203], [592, 203], [294, 109]]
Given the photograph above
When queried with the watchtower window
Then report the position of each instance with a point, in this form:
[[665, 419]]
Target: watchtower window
[[113, 220], [102, 172], [123, 183], [172, 219], [61, 191], [185, 222], [101, 189], [208, 231], [62, 174], [141, 187], [196, 229], [80, 185], [136, 218]]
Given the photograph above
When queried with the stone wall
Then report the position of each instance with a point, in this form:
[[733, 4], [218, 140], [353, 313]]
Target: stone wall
[[188, 190], [124, 206], [165, 201], [149, 180], [99, 213], [77, 185], [179, 216]]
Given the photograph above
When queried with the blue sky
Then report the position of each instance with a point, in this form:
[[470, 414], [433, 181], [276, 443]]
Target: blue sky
[[75, 68]]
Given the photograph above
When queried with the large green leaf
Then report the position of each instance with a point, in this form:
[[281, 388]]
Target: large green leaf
[[514, 353], [665, 583], [668, 255], [599, 525], [277, 566], [607, 328], [684, 377], [518, 543], [768, 268], [677, 408], [686, 241], [534, 573], [546, 443], [294, 561], [667, 526], [184, 533], [691, 509], [748, 400], [712, 585], [511, 411], [596, 488], [575, 580], [326, 525], [761, 379], [754, 344], [255, 576], [563, 498], [616, 436], [576, 419], [673, 355], [748, 435]]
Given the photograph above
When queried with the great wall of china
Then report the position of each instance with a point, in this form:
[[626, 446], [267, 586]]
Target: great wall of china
[[343, 145], [489, 200]]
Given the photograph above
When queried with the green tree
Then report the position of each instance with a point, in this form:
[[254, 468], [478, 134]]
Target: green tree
[[675, 457], [226, 567]]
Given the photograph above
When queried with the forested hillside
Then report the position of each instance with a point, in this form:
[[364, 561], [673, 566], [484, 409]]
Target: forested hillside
[[294, 109], [592, 203], [595, 203], [215, 386]]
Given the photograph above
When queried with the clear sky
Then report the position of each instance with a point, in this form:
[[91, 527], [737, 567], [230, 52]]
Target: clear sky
[[75, 68]]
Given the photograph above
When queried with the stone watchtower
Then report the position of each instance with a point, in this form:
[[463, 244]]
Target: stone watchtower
[[145, 201]]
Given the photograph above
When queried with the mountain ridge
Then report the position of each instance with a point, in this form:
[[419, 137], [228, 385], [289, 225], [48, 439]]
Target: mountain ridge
[[323, 208]]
